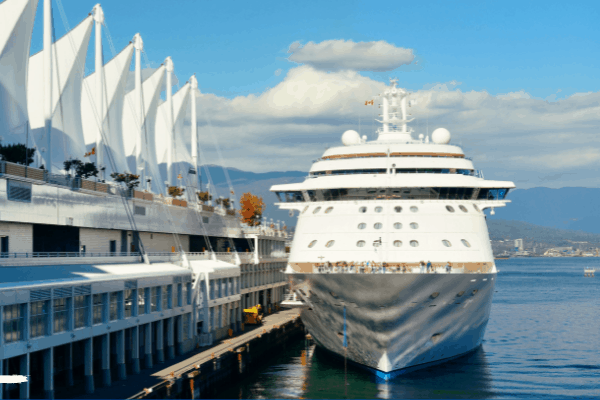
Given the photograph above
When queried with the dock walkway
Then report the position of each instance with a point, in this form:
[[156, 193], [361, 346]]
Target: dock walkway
[[134, 385]]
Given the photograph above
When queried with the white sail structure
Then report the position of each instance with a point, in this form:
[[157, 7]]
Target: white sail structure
[[181, 156], [67, 79], [16, 27], [151, 95], [116, 72]]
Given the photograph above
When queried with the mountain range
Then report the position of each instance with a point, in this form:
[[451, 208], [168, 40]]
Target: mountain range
[[573, 210]]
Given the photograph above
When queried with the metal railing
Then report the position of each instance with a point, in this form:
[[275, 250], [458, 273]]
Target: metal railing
[[67, 254], [324, 269]]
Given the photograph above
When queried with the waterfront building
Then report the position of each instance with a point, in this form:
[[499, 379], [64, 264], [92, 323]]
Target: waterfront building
[[99, 279]]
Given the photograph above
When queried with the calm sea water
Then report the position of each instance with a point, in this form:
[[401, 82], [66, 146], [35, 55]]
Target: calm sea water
[[542, 340]]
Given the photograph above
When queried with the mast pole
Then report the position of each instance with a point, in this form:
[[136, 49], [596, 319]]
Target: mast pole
[[48, 82], [169, 72], [194, 124], [138, 44], [99, 18]]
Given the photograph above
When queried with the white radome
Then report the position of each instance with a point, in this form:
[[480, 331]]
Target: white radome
[[350, 138], [441, 136]]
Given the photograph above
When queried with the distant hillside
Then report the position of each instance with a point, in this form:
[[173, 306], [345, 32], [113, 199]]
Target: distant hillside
[[540, 235], [573, 208]]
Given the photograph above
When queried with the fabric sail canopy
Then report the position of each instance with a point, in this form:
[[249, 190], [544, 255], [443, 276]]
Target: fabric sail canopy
[[69, 53], [16, 27], [116, 72]]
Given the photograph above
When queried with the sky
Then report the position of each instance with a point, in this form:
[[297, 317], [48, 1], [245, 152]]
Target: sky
[[515, 83]]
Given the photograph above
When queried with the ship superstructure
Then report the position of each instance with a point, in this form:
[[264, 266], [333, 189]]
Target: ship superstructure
[[391, 254]]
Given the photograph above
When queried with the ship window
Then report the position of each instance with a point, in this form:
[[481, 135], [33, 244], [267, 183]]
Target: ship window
[[328, 210], [450, 208], [476, 208], [330, 243], [467, 244], [311, 244], [398, 209], [316, 210], [447, 243], [378, 225], [397, 243], [414, 243], [362, 225], [362, 210], [414, 225], [378, 209], [305, 208], [463, 208], [414, 209], [360, 243], [397, 225]]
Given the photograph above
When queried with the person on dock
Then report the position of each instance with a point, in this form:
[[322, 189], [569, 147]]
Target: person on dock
[[428, 266]]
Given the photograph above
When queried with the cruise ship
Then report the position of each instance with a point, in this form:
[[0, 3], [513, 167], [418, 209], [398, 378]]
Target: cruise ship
[[391, 256]]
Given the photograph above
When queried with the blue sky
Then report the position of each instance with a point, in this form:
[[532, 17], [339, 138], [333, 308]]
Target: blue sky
[[235, 47], [516, 83]]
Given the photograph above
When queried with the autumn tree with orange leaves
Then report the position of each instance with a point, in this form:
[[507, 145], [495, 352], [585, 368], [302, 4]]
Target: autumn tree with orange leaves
[[251, 209]]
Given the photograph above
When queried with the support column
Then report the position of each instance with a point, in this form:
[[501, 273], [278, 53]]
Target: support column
[[88, 360], [121, 367], [69, 365], [170, 338], [48, 362], [135, 350], [148, 345], [160, 342], [179, 323], [24, 370], [106, 379]]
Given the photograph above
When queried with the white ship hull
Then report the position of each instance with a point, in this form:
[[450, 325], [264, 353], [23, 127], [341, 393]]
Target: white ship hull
[[395, 322]]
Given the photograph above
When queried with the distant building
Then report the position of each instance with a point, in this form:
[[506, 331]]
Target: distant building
[[518, 244]]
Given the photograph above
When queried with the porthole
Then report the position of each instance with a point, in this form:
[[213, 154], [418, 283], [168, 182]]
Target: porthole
[[378, 209], [397, 243], [360, 243], [316, 210], [414, 225], [459, 294], [330, 243], [476, 208], [414, 243], [328, 210], [311, 244], [414, 209], [398, 209], [467, 244], [450, 208], [447, 243], [397, 225], [378, 225], [362, 225], [305, 208], [362, 210], [463, 208]]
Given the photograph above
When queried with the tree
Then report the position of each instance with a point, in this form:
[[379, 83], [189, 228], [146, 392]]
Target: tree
[[131, 180], [251, 209], [204, 196], [225, 202], [15, 153], [175, 191], [82, 170]]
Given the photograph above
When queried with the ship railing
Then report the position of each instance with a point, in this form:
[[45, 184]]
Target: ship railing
[[368, 270], [246, 258], [66, 254]]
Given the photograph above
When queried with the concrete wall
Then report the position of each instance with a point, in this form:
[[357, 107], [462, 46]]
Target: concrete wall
[[20, 236], [98, 240]]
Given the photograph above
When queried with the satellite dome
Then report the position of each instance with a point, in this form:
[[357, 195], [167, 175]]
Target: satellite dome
[[441, 136], [350, 138]]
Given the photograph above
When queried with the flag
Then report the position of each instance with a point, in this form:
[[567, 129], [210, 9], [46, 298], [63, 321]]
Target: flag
[[91, 153], [369, 103]]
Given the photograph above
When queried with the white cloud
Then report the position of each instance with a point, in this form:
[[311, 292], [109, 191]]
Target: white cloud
[[510, 136], [442, 87], [334, 55], [278, 72]]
